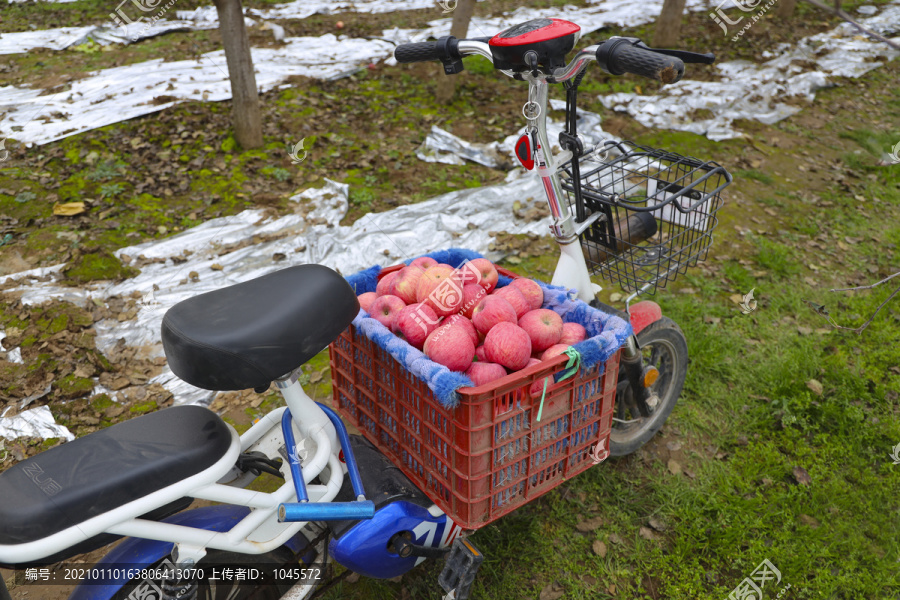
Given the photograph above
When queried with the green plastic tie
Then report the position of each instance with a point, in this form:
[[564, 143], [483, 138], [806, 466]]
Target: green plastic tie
[[571, 368]]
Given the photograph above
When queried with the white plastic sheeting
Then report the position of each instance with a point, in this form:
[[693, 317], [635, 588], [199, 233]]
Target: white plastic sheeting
[[13, 355], [750, 91], [458, 219], [36, 422], [204, 17], [66, 37], [745, 90], [114, 95]]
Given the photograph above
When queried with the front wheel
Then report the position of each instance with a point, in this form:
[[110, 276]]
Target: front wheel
[[663, 346]]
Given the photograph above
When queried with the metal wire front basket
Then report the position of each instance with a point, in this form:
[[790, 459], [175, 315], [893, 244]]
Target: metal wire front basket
[[648, 214]]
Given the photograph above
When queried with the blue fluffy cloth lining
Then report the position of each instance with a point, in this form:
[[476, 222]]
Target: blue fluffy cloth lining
[[606, 333]]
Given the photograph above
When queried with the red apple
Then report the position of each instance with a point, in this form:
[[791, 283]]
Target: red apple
[[414, 323], [480, 271], [440, 287], [484, 372], [572, 333], [450, 346], [514, 297], [554, 350], [479, 353], [424, 262], [385, 309], [508, 345], [385, 283], [533, 293], [461, 321], [543, 326], [490, 311], [405, 284], [472, 295], [365, 300]]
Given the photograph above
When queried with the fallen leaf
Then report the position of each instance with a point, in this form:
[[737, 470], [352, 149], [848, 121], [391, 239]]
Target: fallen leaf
[[216, 267], [614, 538], [674, 467], [815, 387], [736, 298], [657, 524], [647, 533], [808, 520], [673, 446], [315, 377], [589, 525], [599, 549], [711, 320], [551, 592], [615, 297], [69, 209], [802, 477]]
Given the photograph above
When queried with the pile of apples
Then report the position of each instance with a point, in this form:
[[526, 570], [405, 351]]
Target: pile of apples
[[460, 318]]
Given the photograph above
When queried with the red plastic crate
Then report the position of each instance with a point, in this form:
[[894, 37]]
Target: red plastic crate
[[489, 455]]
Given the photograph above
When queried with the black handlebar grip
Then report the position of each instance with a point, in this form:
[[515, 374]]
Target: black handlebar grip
[[626, 58], [417, 52]]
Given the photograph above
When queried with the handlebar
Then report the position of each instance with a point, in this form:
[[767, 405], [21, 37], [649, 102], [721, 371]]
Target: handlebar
[[416, 52], [616, 56]]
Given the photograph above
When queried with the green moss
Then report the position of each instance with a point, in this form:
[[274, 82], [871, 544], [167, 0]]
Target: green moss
[[98, 265], [72, 386], [228, 146], [101, 402], [58, 323], [49, 443], [239, 427], [143, 407]]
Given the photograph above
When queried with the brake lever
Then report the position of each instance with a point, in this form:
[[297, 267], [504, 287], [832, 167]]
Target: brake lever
[[685, 56]]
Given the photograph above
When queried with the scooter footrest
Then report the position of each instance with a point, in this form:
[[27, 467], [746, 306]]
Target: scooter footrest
[[460, 569]]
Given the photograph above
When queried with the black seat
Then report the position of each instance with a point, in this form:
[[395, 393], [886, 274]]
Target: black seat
[[94, 474], [247, 335]]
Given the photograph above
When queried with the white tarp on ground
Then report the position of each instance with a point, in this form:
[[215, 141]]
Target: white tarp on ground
[[114, 95], [458, 219], [204, 17], [36, 422], [751, 91], [744, 91], [66, 37]]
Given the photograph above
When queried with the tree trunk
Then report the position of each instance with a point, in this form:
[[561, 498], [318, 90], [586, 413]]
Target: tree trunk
[[785, 9], [446, 84], [244, 95], [668, 26]]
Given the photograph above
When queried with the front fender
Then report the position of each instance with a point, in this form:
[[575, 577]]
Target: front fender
[[644, 313], [137, 553]]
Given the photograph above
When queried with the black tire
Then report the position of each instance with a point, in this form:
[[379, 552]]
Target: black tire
[[221, 589], [665, 347]]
